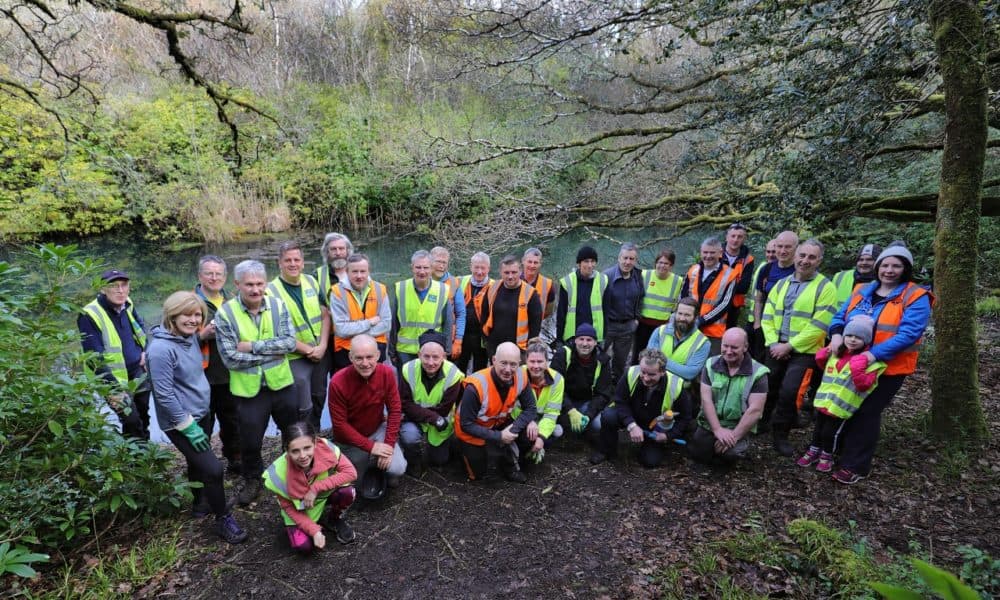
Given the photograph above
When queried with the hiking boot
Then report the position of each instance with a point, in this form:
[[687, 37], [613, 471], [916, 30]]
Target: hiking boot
[[810, 458], [343, 530], [598, 457], [512, 473], [234, 468], [251, 488], [847, 476], [201, 508], [782, 446], [825, 463], [229, 530]]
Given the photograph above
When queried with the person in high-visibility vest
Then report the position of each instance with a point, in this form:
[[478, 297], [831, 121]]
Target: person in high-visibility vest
[[308, 306], [429, 388], [182, 399], [474, 287], [486, 429], [847, 380], [255, 334], [586, 370], [531, 267], [212, 291], [737, 255], [901, 310], [782, 266], [358, 305], [511, 311], [417, 304], [710, 282], [645, 394], [680, 341], [312, 482], [581, 295], [548, 386], [622, 303], [847, 282], [332, 268], [795, 321], [733, 392], [440, 261], [663, 290], [111, 328], [756, 339]]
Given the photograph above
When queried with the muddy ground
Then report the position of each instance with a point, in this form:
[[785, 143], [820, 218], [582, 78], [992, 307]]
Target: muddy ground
[[579, 531]]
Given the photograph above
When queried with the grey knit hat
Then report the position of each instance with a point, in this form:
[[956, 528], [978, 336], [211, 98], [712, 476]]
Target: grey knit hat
[[860, 326], [900, 251]]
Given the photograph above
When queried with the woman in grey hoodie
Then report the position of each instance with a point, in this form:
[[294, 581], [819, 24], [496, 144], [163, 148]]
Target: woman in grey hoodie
[[181, 395]]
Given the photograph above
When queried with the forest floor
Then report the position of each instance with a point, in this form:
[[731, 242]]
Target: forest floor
[[618, 530]]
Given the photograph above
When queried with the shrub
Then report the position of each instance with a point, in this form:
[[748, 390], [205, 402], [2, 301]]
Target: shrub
[[67, 474]]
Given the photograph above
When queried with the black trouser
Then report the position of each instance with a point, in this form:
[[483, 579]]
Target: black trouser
[[254, 414], [651, 452], [862, 429], [224, 409], [203, 467], [619, 337], [479, 459], [642, 334], [733, 317], [701, 447], [474, 350], [135, 424], [786, 385], [828, 432], [756, 340]]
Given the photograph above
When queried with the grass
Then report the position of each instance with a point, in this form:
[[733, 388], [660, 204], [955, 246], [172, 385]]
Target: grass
[[988, 307]]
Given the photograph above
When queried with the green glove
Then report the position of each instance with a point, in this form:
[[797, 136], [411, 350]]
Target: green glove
[[577, 420], [196, 436]]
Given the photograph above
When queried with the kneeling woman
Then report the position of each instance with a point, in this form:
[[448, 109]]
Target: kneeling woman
[[181, 395], [310, 477]]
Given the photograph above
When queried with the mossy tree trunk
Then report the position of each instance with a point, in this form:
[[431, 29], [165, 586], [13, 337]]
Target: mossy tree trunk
[[959, 35]]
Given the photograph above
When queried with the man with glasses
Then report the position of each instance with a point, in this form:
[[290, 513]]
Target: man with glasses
[[112, 329]]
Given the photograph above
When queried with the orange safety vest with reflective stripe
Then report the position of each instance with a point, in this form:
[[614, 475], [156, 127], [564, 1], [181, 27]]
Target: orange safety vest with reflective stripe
[[465, 281], [376, 296], [494, 411], [739, 300], [524, 296], [542, 287], [905, 362], [710, 298]]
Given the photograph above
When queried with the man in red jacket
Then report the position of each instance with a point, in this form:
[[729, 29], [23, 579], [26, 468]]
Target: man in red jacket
[[366, 412]]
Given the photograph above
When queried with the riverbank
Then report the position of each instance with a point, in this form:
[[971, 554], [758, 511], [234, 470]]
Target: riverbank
[[618, 530]]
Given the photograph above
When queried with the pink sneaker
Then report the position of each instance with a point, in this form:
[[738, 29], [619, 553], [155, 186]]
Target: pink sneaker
[[825, 462], [809, 458]]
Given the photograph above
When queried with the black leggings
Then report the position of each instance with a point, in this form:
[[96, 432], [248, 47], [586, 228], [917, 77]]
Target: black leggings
[[203, 467], [828, 433]]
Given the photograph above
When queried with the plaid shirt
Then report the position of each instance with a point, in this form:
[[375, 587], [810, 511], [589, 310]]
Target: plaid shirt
[[227, 338]]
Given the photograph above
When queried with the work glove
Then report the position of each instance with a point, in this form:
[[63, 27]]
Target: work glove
[[859, 364], [536, 457], [196, 436], [456, 349], [441, 424], [577, 420]]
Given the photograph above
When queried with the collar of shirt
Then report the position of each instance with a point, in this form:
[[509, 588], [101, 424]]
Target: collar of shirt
[[745, 366]]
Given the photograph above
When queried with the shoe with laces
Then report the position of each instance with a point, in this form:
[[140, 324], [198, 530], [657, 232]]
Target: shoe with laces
[[251, 488], [229, 530], [810, 458], [825, 462], [343, 530], [847, 476]]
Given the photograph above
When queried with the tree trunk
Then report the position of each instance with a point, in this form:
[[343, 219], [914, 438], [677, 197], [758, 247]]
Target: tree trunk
[[959, 35]]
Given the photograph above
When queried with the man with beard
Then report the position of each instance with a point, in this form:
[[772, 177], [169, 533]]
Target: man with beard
[[332, 269], [685, 347], [863, 272]]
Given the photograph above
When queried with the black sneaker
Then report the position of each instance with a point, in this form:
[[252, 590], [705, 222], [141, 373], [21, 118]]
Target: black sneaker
[[783, 447], [513, 474], [229, 530], [598, 457], [251, 488], [201, 509], [344, 531]]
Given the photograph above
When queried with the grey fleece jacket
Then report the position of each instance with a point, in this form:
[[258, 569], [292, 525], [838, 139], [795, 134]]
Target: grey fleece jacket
[[180, 389]]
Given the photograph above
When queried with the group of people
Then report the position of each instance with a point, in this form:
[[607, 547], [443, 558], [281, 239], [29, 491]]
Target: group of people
[[493, 372]]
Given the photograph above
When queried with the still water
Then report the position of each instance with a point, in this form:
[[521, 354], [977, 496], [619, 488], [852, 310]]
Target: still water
[[157, 271]]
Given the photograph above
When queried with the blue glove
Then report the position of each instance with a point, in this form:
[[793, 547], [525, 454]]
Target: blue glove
[[196, 436]]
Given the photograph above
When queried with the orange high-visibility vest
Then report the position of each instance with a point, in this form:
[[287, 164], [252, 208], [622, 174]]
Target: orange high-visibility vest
[[887, 325], [376, 296], [542, 286], [739, 300], [494, 411], [525, 291], [711, 297]]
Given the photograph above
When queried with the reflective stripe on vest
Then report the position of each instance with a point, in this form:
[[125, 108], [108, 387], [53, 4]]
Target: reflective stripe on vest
[[803, 313], [374, 298], [416, 317], [597, 370], [837, 394], [245, 383], [659, 302], [670, 391], [113, 354], [891, 315], [324, 280], [413, 375], [683, 351], [524, 297], [308, 326], [739, 300], [728, 394], [276, 480], [710, 298], [844, 283], [568, 283], [493, 410], [542, 286], [753, 290], [548, 402], [476, 300]]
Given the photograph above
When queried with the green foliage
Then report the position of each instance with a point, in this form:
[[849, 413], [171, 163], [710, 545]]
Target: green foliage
[[988, 307], [67, 473], [18, 560], [944, 584], [980, 571]]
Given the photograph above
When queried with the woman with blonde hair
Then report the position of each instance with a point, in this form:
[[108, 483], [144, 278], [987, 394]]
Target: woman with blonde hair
[[181, 395]]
